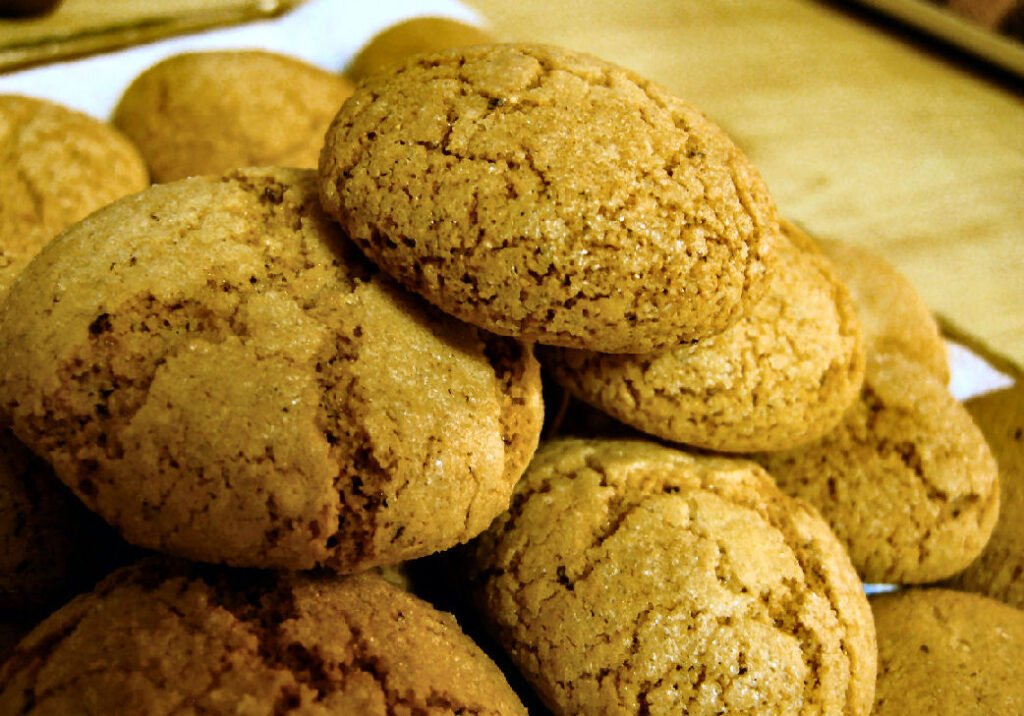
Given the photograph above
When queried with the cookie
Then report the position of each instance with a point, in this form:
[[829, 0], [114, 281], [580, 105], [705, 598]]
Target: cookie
[[220, 375], [894, 317], [906, 480], [999, 571], [56, 167], [549, 195], [209, 112], [417, 35], [633, 578], [948, 653], [158, 637], [779, 378]]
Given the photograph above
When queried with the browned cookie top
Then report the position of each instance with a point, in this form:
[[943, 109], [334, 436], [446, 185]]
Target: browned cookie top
[[209, 112], [56, 167], [396, 43], [999, 571], [632, 578], [163, 638], [779, 377], [213, 368], [549, 195], [906, 480], [949, 654]]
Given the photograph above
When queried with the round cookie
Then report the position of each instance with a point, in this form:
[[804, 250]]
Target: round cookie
[[56, 167], [948, 653], [417, 35], [999, 571], [894, 317], [551, 196], [155, 637], [209, 112], [906, 480], [222, 376], [632, 578], [779, 378]]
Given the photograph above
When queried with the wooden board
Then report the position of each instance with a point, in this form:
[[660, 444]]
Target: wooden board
[[962, 32], [82, 27], [860, 134]]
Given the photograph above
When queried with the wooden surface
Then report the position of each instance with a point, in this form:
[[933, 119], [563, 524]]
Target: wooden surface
[[82, 27], [860, 135]]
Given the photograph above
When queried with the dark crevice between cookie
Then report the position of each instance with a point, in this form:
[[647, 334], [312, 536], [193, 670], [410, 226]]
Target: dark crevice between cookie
[[27, 662]]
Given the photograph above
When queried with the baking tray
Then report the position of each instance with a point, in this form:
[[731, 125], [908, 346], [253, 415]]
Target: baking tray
[[934, 20]]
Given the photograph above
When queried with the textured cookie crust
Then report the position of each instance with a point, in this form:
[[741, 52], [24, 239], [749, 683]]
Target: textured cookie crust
[[213, 368], [906, 480], [417, 35], [549, 195], [210, 112], [779, 378], [999, 571], [161, 639], [56, 167], [948, 653], [632, 578], [894, 317]]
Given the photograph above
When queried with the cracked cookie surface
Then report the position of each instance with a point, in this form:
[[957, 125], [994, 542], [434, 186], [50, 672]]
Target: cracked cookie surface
[[778, 378], [906, 480], [948, 653], [56, 167], [210, 112], [999, 571], [632, 578], [212, 367], [549, 195], [163, 637]]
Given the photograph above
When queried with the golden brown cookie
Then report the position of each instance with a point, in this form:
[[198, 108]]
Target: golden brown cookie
[[906, 480], [394, 44], [948, 653], [221, 375], [894, 317], [56, 167], [999, 571], [779, 378], [209, 112], [632, 578], [552, 196], [159, 638]]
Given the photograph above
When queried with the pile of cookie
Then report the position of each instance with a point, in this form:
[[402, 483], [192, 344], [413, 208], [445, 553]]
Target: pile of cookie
[[296, 392]]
